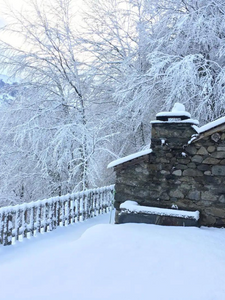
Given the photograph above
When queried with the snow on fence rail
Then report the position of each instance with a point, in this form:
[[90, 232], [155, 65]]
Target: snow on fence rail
[[27, 219]]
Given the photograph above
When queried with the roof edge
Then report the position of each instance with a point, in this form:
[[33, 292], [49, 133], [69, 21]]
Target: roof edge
[[124, 159]]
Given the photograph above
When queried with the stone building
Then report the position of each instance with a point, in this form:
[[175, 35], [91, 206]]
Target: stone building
[[184, 169]]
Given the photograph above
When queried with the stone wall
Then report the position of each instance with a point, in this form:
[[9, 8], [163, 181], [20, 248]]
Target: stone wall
[[178, 173]]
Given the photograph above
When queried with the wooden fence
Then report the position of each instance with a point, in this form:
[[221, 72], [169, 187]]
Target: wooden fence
[[28, 219]]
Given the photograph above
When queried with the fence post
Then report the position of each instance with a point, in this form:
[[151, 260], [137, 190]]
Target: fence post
[[31, 222], [73, 210], [45, 217], [84, 198], [78, 208], [67, 212], [70, 209], [63, 203], [7, 229], [58, 209], [39, 218], [54, 214], [50, 216], [88, 205], [24, 222]]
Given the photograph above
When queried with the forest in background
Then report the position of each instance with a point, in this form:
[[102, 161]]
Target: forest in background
[[89, 84]]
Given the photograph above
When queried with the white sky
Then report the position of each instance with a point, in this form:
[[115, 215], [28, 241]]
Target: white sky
[[21, 5], [18, 4], [15, 4]]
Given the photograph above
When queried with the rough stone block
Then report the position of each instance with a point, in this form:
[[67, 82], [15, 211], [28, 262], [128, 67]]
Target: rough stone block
[[185, 186], [194, 195], [211, 161], [218, 154], [222, 200], [183, 160], [218, 170], [165, 196], [176, 194], [153, 167], [219, 148], [177, 173], [197, 158], [215, 137], [204, 167], [216, 212], [180, 166], [162, 160], [211, 149], [202, 151], [206, 195], [177, 182], [207, 173], [191, 165], [164, 172], [192, 172], [191, 150], [209, 220]]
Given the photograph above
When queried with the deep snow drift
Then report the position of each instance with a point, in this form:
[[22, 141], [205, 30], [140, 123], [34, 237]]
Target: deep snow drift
[[108, 262]]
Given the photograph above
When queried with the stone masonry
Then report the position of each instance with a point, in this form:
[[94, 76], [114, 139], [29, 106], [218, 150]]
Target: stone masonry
[[186, 169]]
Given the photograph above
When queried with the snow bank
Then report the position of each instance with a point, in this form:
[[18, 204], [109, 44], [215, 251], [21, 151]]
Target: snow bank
[[133, 206], [108, 262], [129, 157]]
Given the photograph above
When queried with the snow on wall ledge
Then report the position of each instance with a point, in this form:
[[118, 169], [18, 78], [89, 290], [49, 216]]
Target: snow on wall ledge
[[133, 206], [211, 125]]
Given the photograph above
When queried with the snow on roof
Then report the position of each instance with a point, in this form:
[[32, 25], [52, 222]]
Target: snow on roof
[[178, 110], [129, 157], [178, 107], [211, 125], [133, 206], [173, 114], [191, 121]]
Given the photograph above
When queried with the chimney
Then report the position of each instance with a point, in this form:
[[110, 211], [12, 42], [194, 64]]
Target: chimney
[[173, 129]]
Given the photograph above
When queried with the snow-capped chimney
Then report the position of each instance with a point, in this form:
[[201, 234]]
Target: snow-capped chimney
[[173, 129]]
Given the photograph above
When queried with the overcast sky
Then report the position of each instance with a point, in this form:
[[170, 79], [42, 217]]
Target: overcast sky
[[21, 5], [18, 4]]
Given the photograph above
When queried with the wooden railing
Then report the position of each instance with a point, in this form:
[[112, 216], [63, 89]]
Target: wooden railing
[[28, 219]]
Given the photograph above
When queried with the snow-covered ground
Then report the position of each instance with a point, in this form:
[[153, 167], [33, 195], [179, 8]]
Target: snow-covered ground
[[108, 262]]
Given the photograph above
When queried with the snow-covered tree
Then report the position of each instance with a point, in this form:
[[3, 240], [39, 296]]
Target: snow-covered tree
[[116, 38], [185, 53], [52, 127]]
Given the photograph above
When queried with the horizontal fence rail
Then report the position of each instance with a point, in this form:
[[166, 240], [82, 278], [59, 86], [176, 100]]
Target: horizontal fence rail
[[28, 219]]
